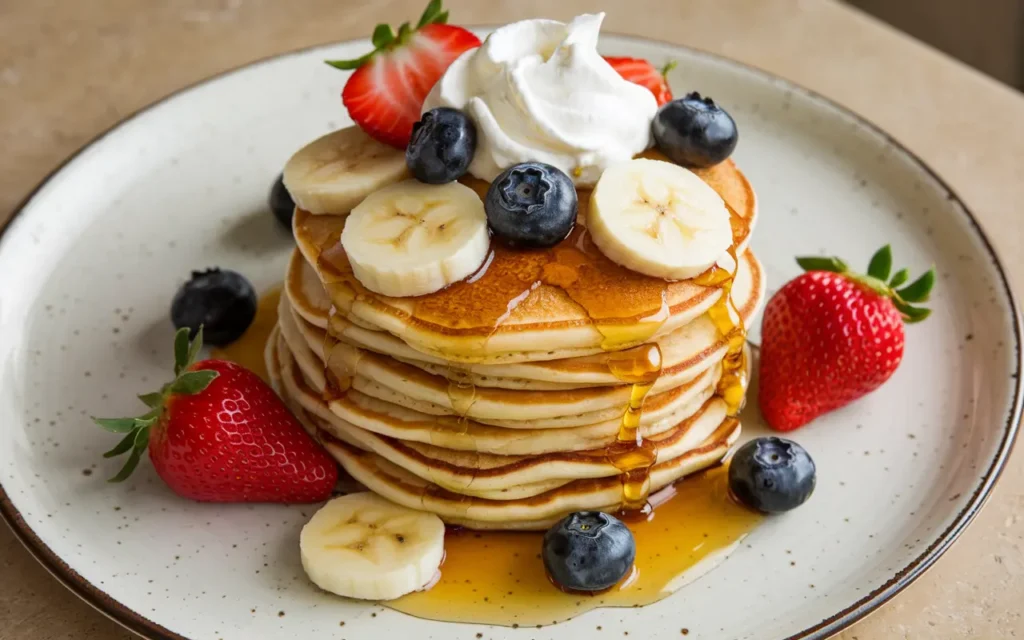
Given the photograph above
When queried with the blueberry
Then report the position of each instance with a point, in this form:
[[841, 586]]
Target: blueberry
[[222, 302], [588, 551], [531, 205], [772, 475], [281, 203], [442, 146], [694, 131]]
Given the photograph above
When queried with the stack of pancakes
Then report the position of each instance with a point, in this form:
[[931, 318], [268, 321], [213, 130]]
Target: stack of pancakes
[[506, 423]]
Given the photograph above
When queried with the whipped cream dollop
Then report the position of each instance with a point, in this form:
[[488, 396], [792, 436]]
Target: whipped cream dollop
[[539, 90]]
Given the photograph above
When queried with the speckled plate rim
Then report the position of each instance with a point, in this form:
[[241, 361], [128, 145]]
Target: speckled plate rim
[[842, 619]]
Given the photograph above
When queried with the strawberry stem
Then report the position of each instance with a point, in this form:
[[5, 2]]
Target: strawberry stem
[[137, 430], [878, 272], [384, 38]]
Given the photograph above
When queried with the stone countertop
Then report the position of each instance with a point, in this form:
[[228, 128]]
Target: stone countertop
[[69, 70]]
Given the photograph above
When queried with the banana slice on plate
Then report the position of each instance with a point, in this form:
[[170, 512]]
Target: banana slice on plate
[[659, 219], [412, 238], [334, 173], [363, 546]]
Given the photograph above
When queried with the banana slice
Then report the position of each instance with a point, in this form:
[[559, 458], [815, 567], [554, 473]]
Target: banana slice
[[411, 238], [363, 546], [659, 219], [334, 173]]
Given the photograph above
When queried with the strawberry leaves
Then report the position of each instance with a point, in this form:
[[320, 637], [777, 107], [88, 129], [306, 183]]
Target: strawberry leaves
[[919, 290], [879, 269], [881, 264], [899, 278], [137, 430], [433, 15], [384, 38], [817, 263]]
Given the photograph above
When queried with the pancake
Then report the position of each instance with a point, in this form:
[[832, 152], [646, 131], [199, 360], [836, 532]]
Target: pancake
[[515, 396], [411, 388], [682, 349], [523, 306], [532, 513], [304, 385]]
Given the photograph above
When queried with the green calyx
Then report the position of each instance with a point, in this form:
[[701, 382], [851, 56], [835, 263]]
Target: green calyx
[[669, 66], [904, 296], [136, 431], [384, 37]]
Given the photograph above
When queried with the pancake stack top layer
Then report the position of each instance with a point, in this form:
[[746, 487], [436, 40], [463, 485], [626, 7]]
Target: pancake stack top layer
[[550, 381]]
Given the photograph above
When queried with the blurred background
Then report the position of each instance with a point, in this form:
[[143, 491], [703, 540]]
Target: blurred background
[[986, 34]]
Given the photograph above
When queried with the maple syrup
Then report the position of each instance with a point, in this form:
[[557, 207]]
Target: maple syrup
[[497, 577], [728, 321], [249, 349], [631, 454]]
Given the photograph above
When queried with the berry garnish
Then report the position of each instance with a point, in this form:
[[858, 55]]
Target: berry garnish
[[281, 203], [831, 336], [442, 146], [218, 433], [223, 302], [643, 73], [588, 551], [531, 205], [385, 94], [694, 131], [772, 475]]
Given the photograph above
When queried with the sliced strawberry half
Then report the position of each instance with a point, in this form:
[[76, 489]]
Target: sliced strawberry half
[[385, 94], [643, 73]]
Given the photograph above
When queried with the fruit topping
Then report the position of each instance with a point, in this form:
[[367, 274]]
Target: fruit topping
[[218, 433], [364, 546], [588, 551], [442, 146], [643, 73], [694, 131], [385, 94], [772, 475], [335, 172], [411, 238], [281, 203], [659, 219], [531, 205], [223, 302], [831, 336]]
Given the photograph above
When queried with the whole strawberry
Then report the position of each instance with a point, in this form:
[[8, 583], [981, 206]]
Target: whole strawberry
[[831, 336], [218, 433]]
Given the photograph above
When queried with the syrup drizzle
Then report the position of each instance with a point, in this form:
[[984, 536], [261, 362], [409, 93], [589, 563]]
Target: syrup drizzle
[[625, 307], [631, 454], [497, 577]]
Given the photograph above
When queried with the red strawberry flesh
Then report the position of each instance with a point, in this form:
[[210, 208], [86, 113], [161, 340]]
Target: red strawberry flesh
[[218, 433], [385, 93], [830, 336], [237, 442], [826, 341], [642, 72]]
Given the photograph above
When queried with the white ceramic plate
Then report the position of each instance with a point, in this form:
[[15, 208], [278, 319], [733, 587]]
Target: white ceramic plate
[[89, 265]]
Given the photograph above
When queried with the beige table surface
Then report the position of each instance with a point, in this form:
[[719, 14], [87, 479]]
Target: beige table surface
[[71, 68]]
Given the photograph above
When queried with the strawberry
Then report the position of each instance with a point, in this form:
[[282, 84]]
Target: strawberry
[[642, 72], [218, 433], [385, 94], [831, 336]]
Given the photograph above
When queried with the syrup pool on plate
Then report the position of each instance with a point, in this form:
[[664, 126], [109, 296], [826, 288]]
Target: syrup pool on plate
[[248, 350], [497, 577]]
